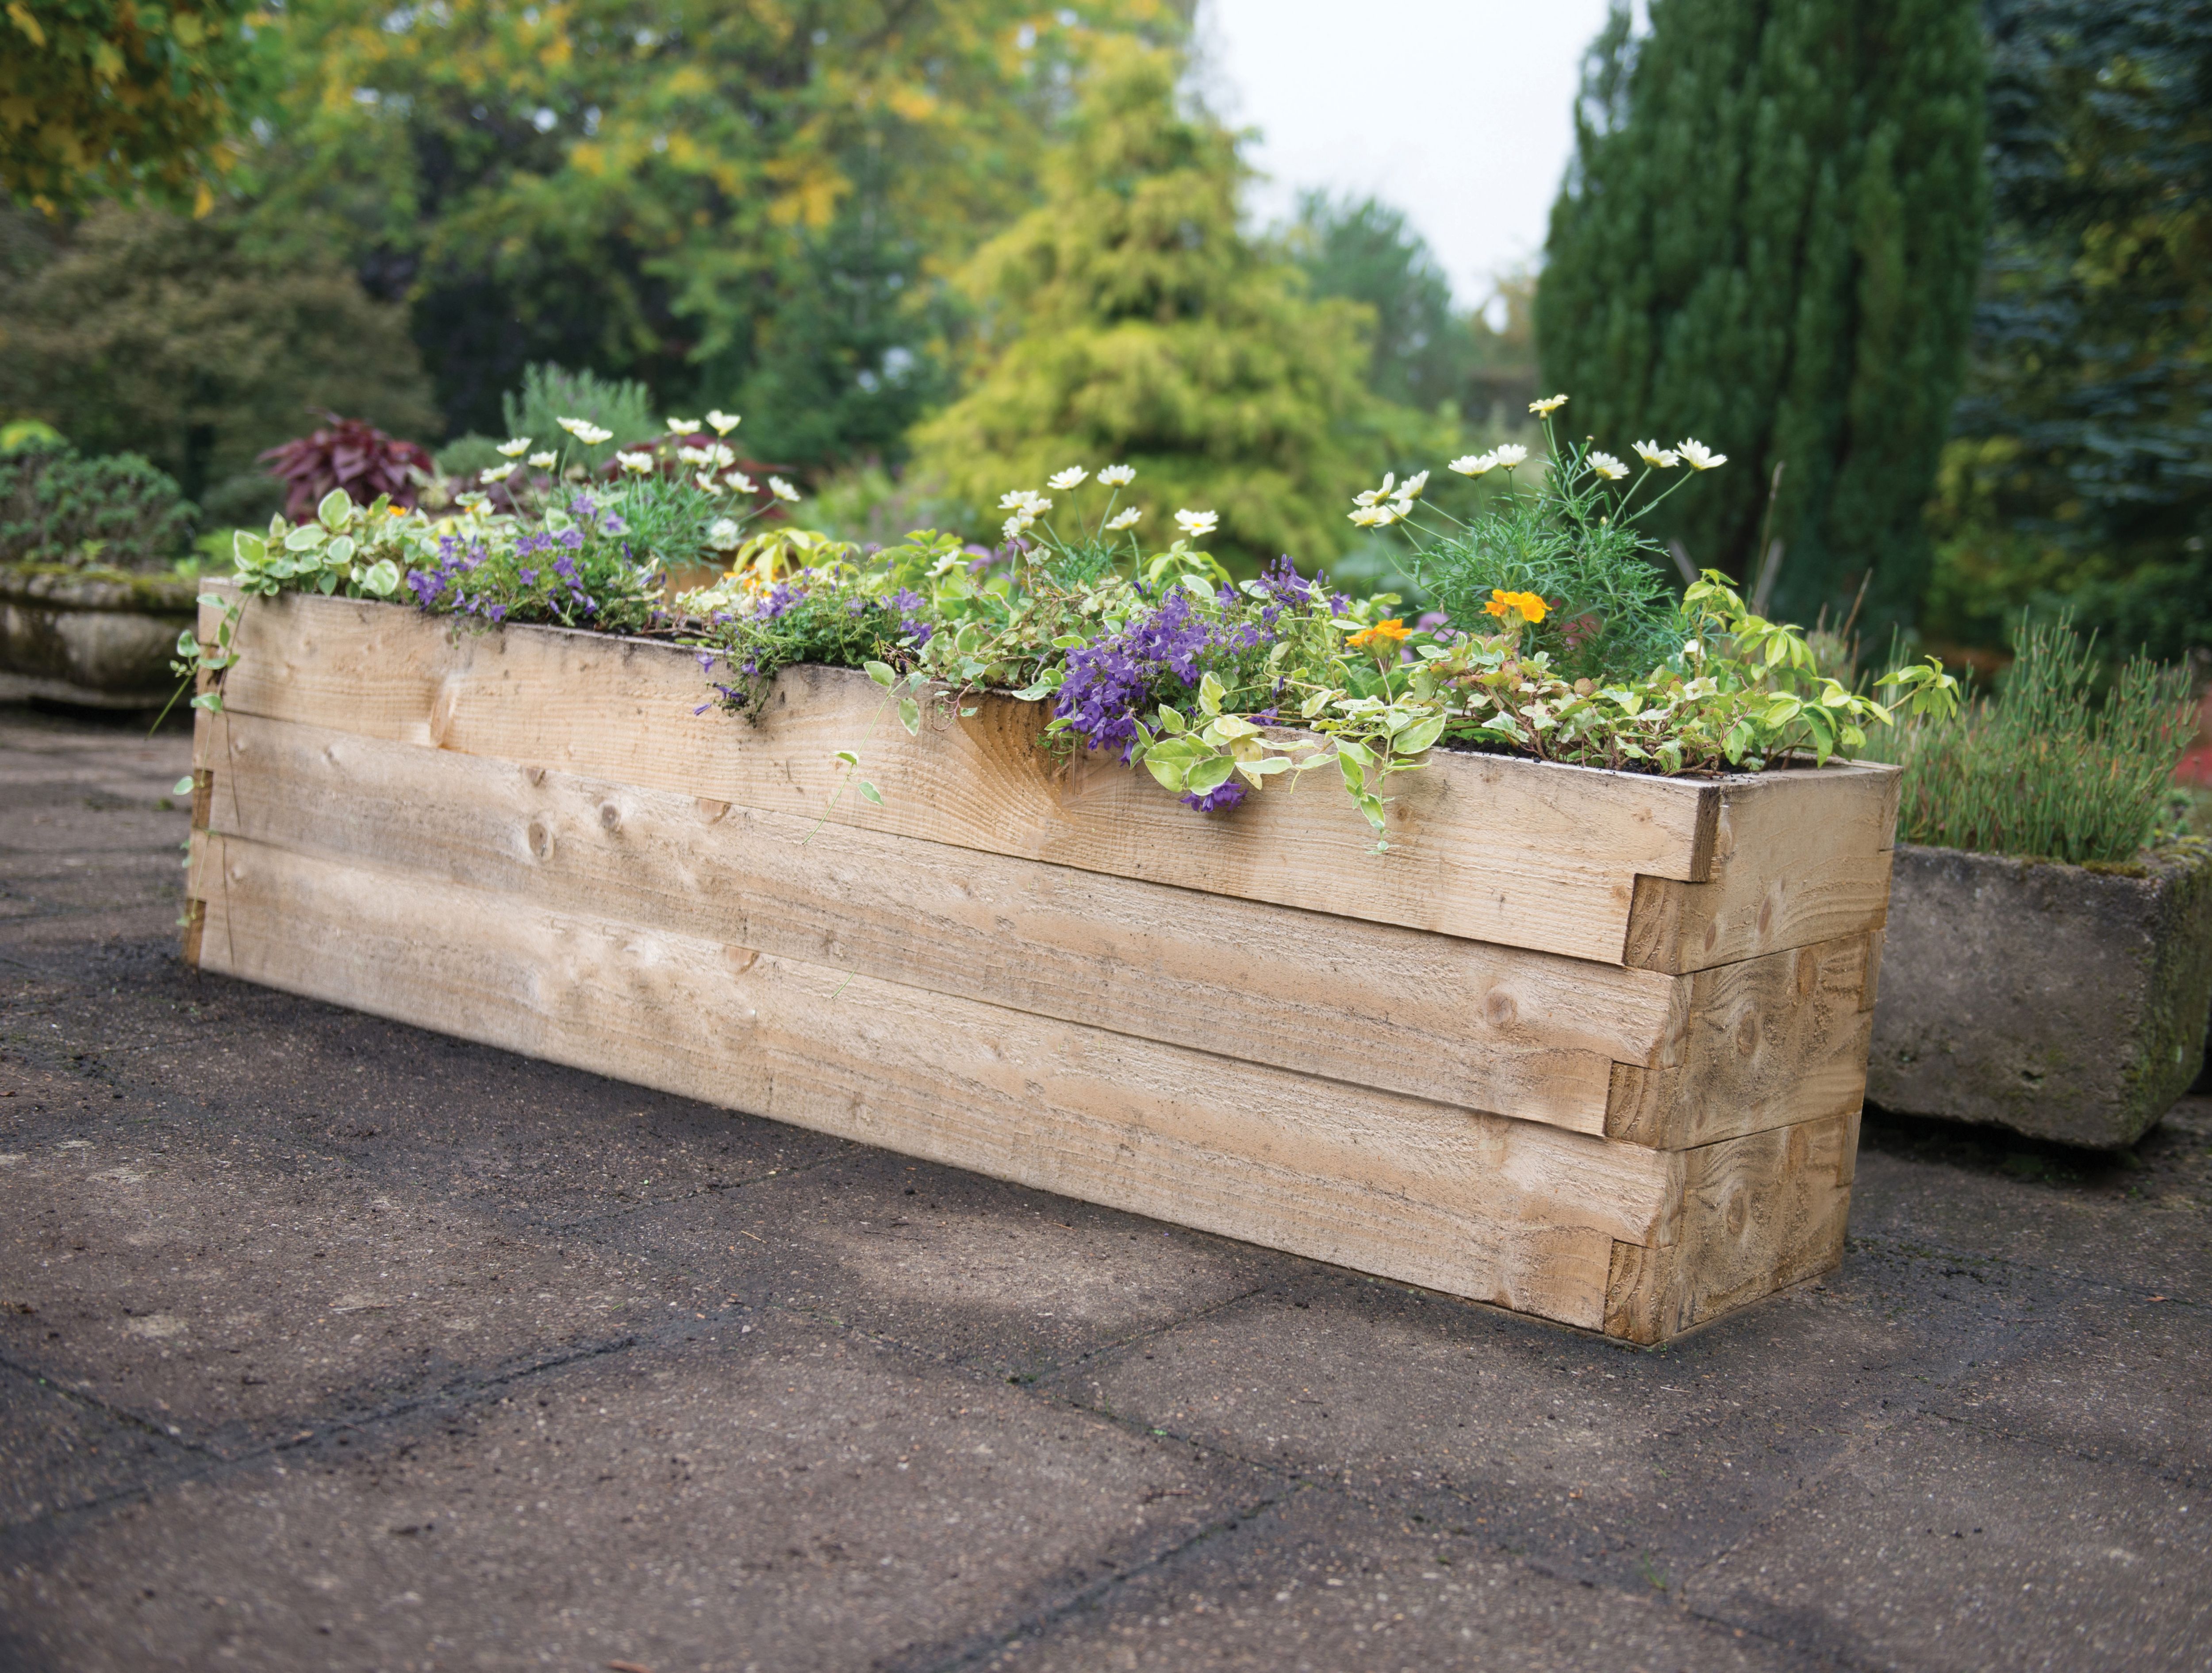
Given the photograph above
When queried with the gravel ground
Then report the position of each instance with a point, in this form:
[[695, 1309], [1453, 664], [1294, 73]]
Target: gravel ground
[[329, 1343]]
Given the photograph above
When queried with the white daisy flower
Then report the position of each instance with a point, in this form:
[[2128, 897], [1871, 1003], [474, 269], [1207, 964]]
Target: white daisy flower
[[496, 474], [545, 461], [706, 482], [1377, 496], [1547, 406], [1475, 465], [1658, 458], [1699, 457], [516, 448], [722, 422], [636, 464], [722, 534], [1118, 475], [695, 455], [1197, 524], [1607, 466], [1072, 477], [741, 482], [586, 431], [782, 489], [681, 426], [1411, 487], [1122, 520], [1510, 455], [1015, 527]]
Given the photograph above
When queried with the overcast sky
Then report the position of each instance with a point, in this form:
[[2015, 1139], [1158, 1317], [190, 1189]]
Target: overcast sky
[[1459, 111]]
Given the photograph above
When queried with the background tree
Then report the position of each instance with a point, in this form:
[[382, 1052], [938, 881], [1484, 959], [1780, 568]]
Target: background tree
[[710, 193], [1769, 240], [2083, 473], [108, 98], [146, 332], [1128, 320], [1364, 250]]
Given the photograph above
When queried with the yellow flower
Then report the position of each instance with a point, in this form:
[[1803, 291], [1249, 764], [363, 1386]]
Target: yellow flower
[[1393, 630], [1547, 406], [1532, 607]]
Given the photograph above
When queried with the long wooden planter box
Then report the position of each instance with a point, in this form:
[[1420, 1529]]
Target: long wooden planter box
[[1587, 1045]]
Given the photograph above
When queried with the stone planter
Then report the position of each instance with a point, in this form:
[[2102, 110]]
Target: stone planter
[[102, 638], [1587, 1045], [2060, 1001]]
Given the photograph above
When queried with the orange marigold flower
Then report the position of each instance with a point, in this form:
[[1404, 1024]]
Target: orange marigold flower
[[1394, 630], [1531, 606]]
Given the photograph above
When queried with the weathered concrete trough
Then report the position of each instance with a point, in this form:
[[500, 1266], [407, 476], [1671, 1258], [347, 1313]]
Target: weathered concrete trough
[[2063, 1002], [101, 638]]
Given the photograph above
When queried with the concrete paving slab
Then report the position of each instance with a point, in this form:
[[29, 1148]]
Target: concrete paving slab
[[1941, 1547], [760, 1492], [1318, 1584], [2144, 1218], [240, 1295], [60, 1452], [952, 1264]]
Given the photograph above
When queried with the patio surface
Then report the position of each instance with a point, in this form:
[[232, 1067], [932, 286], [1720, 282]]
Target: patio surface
[[329, 1343]]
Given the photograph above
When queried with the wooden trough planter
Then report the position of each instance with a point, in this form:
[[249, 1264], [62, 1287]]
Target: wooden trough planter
[[1586, 1046]]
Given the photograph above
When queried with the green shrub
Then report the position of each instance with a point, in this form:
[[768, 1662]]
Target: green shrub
[[549, 393], [2045, 769], [58, 507]]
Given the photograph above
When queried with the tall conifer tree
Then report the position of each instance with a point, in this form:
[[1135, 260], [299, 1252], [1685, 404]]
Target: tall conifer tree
[[1769, 241], [1129, 319]]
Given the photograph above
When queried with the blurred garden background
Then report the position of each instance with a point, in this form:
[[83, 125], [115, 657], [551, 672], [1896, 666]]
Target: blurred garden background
[[1934, 275]]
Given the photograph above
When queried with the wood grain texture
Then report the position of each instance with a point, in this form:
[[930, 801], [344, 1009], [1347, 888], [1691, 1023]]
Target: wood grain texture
[[1801, 857], [1501, 1030], [1766, 1043], [1752, 1215], [1489, 847], [1514, 1213]]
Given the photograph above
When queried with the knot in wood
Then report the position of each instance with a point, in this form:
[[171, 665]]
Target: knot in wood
[[540, 839], [1499, 1009], [610, 817]]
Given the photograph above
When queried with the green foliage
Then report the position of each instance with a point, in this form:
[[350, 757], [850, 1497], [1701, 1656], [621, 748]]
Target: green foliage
[[2082, 477], [623, 407], [145, 333], [57, 506], [720, 195], [107, 98], [1769, 241], [1362, 249], [1609, 613], [1128, 320], [2047, 770]]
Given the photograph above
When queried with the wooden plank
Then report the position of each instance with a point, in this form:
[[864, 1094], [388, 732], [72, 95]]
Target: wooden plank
[[1530, 1035], [1801, 857], [1754, 1215], [1767, 1042], [1489, 847], [1514, 1213]]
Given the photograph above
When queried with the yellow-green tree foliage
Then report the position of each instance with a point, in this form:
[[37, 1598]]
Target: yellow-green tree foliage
[[683, 193], [1128, 319], [116, 98]]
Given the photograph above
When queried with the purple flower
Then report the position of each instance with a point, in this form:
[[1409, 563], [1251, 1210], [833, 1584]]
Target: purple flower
[[1284, 585], [1431, 621], [427, 587], [1220, 800]]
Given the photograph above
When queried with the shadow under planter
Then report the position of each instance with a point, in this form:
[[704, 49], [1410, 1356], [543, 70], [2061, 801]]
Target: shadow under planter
[[102, 638], [2063, 1002]]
